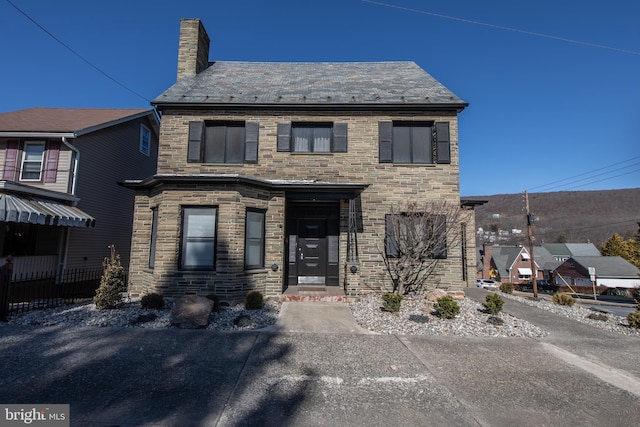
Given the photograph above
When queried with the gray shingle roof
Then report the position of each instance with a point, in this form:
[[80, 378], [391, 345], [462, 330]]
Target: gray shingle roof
[[311, 83], [64, 119], [608, 266]]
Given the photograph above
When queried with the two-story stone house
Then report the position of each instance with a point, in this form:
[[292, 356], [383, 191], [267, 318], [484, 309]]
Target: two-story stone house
[[60, 202], [277, 176]]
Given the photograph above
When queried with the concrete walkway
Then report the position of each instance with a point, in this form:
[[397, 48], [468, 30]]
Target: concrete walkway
[[329, 375]]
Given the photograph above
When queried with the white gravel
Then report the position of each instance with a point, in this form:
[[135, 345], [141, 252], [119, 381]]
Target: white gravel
[[577, 312], [416, 317]]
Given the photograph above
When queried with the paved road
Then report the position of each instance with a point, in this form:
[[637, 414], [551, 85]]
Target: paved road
[[577, 376]]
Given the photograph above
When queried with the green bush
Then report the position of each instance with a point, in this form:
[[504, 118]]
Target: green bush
[[563, 299], [634, 319], [507, 288], [109, 293], [216, 301], [447, 308], [391, 302], [494, 304], [253, 301], [635, 294], [152, 301]]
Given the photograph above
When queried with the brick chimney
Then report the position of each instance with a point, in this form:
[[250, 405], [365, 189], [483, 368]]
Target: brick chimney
[[193, 50], [487, 253]]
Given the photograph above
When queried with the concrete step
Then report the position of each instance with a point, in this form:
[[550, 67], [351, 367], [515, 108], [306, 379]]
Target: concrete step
[[314, 293]]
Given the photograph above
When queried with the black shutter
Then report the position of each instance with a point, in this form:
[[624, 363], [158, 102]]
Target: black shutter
[[251, 132], [443, 145], [385, 132], [340, 137], [284, 136], [196, 134]]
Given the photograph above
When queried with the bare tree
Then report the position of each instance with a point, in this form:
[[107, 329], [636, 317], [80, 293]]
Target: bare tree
[[417, 238]]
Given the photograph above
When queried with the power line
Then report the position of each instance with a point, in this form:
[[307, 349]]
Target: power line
[[589, 175], [76, 53], [500, 27], [554, 232]]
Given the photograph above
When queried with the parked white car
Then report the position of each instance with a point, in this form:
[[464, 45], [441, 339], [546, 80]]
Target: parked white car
[[486, 284]]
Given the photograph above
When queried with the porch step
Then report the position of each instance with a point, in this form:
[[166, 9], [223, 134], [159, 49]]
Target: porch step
[[314, 293]]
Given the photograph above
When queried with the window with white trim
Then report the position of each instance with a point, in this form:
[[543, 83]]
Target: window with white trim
[[32, 160], [198, 239], [254, 239], [145, 140]]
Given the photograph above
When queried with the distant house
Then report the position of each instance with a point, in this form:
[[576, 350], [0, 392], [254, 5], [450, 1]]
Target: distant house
[[60, 202], [510, 264], [610, 271], [550, 255]]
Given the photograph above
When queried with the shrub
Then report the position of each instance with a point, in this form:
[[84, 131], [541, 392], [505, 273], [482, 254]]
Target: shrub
[[494, 304], [507, 288], [563, 299], [446, 308], [152, 301], [216, 301], [634, 319], [109, 293], [391, 302], [635, 294], [253, 301]]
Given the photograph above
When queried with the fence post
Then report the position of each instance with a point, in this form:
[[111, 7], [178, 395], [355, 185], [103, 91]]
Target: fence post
[[5, 282]]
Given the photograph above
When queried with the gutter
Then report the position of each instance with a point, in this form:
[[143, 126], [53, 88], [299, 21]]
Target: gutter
[[76, 162]]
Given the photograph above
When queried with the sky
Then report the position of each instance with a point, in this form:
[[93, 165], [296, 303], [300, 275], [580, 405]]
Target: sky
[[552, 85]]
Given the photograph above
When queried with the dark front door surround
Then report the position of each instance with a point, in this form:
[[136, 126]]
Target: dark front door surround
[[313, 243]]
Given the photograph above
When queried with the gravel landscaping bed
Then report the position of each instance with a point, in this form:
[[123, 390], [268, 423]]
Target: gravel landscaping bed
[[416, 317], [577, 312]]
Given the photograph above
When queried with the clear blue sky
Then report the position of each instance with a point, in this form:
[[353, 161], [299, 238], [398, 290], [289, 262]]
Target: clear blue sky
[[545, 114]]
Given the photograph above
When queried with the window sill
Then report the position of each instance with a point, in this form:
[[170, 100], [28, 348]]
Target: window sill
[[255, 270], [311, 153]]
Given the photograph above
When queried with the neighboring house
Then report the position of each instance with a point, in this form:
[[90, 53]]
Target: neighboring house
[[60, 202], [509, 264], [273, 176], [610, 271], [550, 255]]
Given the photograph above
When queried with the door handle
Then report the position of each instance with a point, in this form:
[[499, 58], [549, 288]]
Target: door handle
[[301, 256]]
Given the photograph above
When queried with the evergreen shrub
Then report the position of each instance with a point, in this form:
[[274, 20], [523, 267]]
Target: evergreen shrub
[[446, 308], [253, 301], [391, 302], [494, 304], [563, 299], [152, 301]]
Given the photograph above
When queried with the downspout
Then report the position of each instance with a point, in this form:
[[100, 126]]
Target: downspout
[[76, 161], [74, 178]]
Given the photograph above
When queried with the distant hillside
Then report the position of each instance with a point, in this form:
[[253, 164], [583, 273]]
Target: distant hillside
[[578, 216]]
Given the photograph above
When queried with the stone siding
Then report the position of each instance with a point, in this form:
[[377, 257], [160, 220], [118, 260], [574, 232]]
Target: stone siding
[[388, 185]]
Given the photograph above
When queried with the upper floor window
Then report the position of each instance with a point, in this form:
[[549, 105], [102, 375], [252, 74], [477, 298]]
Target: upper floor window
[[32, 160], [145, 140], [312, 137], [223, 142], [410, 142]]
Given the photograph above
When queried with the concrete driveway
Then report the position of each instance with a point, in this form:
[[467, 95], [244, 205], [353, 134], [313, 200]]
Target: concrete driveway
[[577, 376]]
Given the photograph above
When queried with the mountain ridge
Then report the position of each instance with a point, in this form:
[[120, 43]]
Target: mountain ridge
[[576, 216]]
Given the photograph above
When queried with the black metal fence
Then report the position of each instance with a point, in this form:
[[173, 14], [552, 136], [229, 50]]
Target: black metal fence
[[43, 290]]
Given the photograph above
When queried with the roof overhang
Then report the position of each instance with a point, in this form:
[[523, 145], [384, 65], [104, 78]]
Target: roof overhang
[[14, 187], [10, 134], [457, 107], [300, 186]]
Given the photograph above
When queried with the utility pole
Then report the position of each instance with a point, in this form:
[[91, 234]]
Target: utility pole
[[534, 272]]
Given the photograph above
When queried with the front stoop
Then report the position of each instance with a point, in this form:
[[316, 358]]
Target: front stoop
[[314, 293]]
